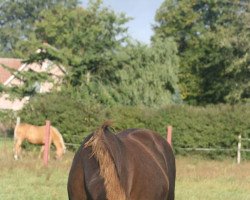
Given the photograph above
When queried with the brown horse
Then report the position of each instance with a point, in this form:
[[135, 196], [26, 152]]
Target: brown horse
[[135, 164], [36, 135]]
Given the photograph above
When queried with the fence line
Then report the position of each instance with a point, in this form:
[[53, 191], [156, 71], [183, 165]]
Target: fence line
[[72, 144], [245, 139], [239, 150], [207, 149], [169, 138], [212, 149]]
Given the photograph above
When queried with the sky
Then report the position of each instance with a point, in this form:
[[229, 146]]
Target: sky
[[142, 12]]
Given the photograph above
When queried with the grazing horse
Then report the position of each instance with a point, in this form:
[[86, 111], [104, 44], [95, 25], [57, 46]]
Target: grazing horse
[[135, 164], [36, 135]]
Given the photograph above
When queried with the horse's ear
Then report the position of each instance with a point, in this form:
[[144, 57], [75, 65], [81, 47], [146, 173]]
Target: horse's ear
[[98, 133], [106, 124], [105, 127]]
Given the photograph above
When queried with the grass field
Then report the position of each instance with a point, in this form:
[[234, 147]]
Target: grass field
[[197, 179]]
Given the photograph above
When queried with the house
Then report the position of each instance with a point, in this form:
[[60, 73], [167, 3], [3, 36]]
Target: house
[[9, 80]]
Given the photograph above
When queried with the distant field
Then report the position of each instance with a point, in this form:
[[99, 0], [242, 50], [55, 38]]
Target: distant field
[[197, 179]]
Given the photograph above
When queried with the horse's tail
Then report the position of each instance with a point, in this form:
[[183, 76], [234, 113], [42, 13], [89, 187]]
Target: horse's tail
[[102, 143], [15, 131], [16, 145], [59, 136]]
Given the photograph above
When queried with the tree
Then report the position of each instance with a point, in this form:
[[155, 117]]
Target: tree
[[17, 18], [85, 41], [149, 75], [100, 61], [213, 45]]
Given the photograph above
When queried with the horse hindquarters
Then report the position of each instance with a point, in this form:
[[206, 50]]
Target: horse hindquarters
[[144, 178], [76, 187], [84, 181], [153, 165], [171, 171]]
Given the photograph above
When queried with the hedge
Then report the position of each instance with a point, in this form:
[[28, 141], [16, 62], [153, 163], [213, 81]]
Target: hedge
[[193, 127]]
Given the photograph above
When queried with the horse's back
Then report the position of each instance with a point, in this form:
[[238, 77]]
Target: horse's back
[[34, 134]]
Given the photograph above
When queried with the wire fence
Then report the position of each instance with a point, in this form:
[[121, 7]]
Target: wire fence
[[237, 149]]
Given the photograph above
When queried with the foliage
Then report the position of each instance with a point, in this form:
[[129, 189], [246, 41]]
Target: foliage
[[75, 118], [6, 115], [144, 76], [17, 20], [213, 45], [7, 122], [209, 127], [84, 41], [149, 74], [100, 61], [30, 83], [193, 127]]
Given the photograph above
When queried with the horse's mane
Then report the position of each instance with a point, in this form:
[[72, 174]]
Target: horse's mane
[[101, 143]]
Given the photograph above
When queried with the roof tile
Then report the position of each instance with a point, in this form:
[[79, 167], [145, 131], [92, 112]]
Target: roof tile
[[10, 62]]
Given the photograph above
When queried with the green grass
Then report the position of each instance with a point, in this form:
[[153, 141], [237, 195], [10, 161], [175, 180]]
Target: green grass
[[28, 178], [197, 179]]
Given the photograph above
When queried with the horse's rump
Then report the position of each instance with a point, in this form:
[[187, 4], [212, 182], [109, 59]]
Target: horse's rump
[[134, 164]]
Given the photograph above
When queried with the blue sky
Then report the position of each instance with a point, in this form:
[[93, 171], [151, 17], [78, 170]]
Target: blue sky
[[143, 12]]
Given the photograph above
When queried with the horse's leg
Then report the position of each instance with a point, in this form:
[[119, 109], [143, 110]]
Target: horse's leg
[[17, 148], [41, 152]]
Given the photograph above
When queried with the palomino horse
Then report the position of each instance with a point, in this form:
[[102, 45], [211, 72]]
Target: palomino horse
[[135, 164], [36, 135]]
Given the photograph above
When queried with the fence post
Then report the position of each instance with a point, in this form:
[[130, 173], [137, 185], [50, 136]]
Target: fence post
[[169, 135], [46, 143], [238, 150]]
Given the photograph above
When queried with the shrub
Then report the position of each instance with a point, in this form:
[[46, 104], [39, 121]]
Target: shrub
[[214, 127], [7, 123], [73, 118]]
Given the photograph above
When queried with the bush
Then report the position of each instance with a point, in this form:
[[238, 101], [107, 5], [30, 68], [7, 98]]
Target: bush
[[7, 123], [208, 127], [193, 127], [73, 118]]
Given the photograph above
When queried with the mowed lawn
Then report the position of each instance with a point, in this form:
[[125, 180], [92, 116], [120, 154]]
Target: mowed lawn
[[197, 179]]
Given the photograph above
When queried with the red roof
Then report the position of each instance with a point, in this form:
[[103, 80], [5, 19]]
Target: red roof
[[10, 62]]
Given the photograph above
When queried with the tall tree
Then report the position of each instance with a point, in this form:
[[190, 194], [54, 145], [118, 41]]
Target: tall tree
[[17, 18], [149, 75], [213, 45], [84, 41]]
